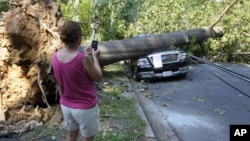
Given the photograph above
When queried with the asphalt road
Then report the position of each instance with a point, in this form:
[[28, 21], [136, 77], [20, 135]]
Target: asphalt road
[[201, 107]]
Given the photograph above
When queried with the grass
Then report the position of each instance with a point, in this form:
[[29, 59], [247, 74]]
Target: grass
[[119, 111]]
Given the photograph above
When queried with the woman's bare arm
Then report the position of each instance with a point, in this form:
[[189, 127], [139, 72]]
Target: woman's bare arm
[[91, 64]]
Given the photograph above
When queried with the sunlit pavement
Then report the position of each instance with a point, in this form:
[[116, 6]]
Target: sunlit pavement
[[198, 107]]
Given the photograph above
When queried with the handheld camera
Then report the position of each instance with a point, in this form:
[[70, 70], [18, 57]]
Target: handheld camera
[[94, 44]]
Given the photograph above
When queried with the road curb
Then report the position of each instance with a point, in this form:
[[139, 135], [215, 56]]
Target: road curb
[[161, 130], [149, 134]]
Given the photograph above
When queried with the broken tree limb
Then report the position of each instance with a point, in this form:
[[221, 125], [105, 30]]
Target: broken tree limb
[[223, 13]]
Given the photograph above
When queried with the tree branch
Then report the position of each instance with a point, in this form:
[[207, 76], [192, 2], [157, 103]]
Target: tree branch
[[223, 13], [246, 34]]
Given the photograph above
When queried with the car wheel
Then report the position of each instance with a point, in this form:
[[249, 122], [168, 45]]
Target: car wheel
[[182, 75]]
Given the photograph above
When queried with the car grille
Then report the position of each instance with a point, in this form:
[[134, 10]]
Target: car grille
[[169, 58]]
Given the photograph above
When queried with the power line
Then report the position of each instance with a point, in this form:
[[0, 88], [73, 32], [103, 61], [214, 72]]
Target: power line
[[242, 77]]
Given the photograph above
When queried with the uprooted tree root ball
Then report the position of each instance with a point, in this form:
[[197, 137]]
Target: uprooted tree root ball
[[28, 37]]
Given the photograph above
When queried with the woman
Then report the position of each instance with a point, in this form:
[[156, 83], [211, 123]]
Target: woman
[[75, 73]]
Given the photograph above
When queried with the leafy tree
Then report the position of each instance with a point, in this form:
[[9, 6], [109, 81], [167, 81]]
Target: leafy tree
[[80, 9], [123, 19], [116, 16], [4, 6]]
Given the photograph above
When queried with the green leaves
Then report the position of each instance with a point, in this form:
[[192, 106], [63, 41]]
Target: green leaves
[[4, 6], [82, 10], [122, 19]]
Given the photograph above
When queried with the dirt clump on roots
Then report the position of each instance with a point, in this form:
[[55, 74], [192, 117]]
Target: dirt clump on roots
[[28, 38]]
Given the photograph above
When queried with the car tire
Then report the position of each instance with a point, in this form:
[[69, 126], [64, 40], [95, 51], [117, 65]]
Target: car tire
[[182, 75]]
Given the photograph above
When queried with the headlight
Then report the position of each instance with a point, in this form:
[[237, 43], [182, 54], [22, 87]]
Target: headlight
[[143, 61], [182, 56]]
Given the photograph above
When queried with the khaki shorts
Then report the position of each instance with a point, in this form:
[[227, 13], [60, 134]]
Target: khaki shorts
[[86, 120]]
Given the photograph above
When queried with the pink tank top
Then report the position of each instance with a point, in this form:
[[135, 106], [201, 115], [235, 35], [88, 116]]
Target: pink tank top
[[77, 89]]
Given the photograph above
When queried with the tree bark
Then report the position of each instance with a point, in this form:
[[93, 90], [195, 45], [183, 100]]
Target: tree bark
[[114, 51]]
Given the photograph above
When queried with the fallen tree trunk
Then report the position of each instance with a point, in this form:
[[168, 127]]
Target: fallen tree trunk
[[114, 51], [29, 36]]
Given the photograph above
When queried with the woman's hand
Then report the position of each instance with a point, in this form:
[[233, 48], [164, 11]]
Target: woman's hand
[[88, 50], [96, 53]]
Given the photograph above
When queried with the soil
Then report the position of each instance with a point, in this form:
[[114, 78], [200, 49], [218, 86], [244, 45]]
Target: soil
[[28, 37]]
